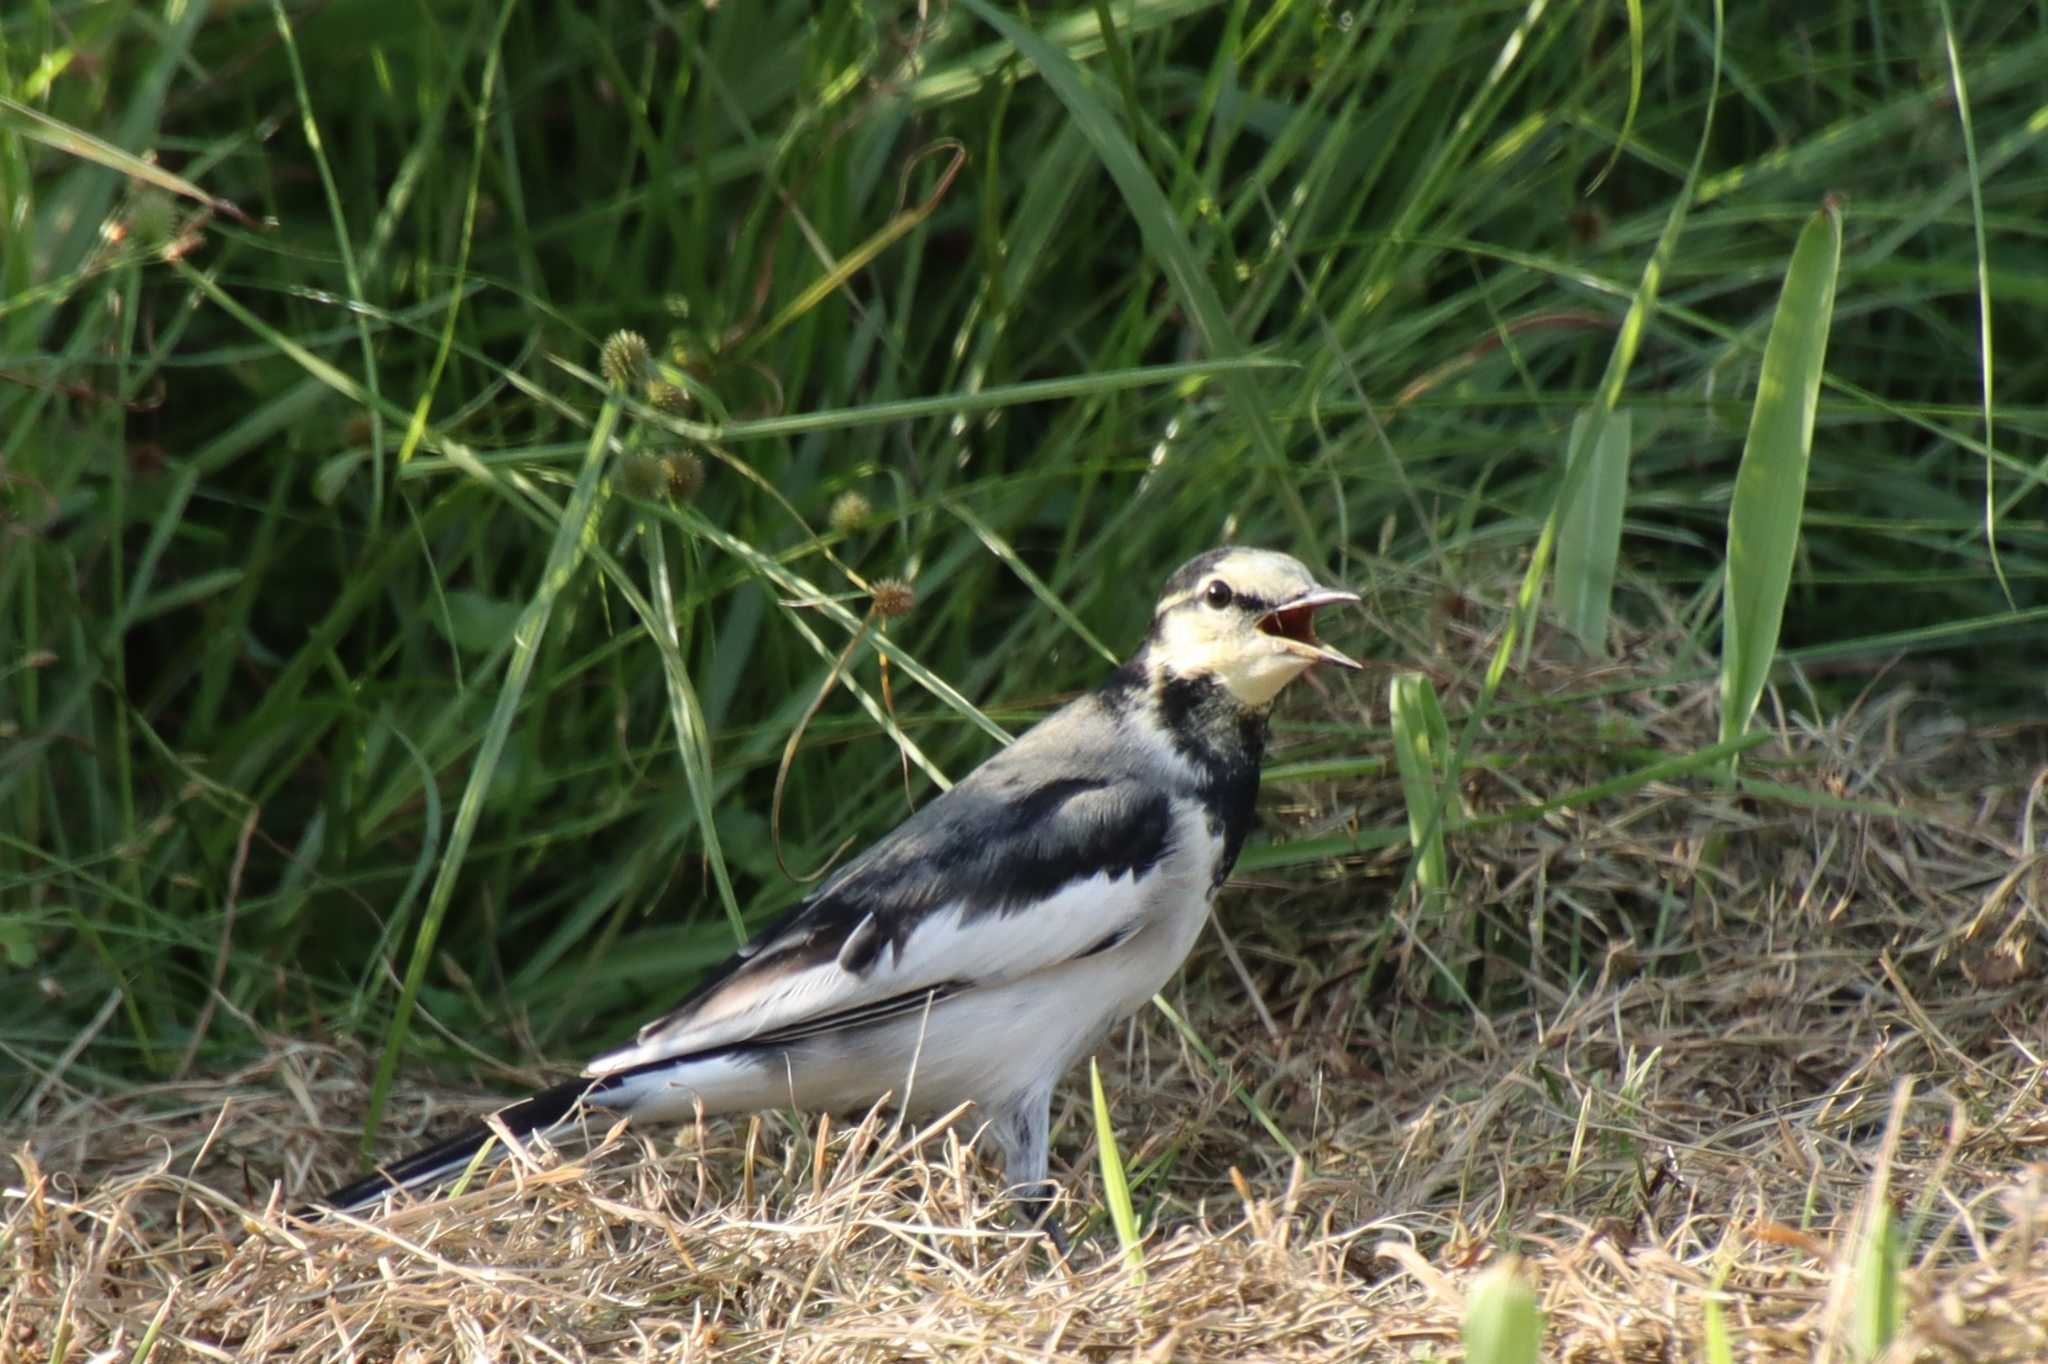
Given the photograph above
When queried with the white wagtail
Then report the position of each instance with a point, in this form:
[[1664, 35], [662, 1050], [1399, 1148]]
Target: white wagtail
[[997, 934]]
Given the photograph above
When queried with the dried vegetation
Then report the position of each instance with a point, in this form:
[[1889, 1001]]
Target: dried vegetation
[[1716, 1033]]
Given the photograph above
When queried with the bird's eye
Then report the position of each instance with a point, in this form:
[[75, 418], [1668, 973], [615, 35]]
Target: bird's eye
[[1218, 594]]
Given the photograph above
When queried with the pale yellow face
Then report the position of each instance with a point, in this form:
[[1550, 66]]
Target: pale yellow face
[[1243, 617]]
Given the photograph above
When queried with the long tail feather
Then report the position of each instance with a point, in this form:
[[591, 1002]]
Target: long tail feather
[[424, 1169], [672, 1088]]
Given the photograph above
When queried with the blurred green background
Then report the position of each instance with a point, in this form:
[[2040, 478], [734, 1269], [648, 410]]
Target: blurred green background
[[336, 600]]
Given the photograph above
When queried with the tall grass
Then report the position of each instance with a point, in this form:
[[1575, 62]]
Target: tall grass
[[354, 681]]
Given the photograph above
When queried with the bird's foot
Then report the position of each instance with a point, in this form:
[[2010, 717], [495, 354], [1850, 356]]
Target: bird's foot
[[1035, 1205]]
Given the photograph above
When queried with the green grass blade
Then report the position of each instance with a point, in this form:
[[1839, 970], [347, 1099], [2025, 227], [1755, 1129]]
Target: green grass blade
[[1635, 91], [1309, 852], [686, 718], [1877, 1307], [417, 430], [1116, 1188], [994, 398], [1716, 1347], [1422, 745], [1960, 86], [1222, 1072], [153, 1333], [1503, 1325], [1047, 598], [1589, 533], [1879, 1294], [1770, 485], [1634, 323], [801, 593], [37, 126], [1172, 252], [565, 554], [1699, 760], [344, 244]]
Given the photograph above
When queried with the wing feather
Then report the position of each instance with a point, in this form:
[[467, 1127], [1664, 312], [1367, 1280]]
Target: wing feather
[[1004, 875]]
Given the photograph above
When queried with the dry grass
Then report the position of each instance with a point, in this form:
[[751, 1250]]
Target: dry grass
[[1791, 1009]]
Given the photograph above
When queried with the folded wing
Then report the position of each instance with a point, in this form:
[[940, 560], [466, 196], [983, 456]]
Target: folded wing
[[1005, 875]]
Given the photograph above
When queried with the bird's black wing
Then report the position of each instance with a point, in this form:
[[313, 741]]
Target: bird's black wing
[[1023, 866]]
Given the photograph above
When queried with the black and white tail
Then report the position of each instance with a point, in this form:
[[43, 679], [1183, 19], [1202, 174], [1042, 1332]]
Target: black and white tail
[[424, 1169], [665, 1089]]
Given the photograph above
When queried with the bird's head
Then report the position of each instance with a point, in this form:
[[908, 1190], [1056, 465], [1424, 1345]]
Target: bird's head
[[1245, 617]]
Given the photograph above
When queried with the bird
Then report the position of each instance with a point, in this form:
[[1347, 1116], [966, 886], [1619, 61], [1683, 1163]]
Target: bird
[[995, 936]]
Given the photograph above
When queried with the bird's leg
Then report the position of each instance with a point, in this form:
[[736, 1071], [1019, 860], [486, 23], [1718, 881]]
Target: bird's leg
[[1020, 1129]]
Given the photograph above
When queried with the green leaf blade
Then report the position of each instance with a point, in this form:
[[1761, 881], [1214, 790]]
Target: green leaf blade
[[1503, 1324], [1589, 531], [1770, 487], [1116, 1186], [1422, 746]]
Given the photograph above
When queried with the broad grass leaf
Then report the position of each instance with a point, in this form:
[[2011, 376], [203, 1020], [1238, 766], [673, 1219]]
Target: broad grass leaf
[[1770, 487], [1589, 531]]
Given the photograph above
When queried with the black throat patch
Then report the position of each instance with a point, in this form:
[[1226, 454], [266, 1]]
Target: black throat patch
[[1225, 741]]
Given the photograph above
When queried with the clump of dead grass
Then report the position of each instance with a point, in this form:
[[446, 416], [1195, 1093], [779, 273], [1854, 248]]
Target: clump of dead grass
[[1667, 1046]]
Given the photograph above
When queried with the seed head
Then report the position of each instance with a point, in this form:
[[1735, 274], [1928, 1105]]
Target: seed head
[[152, 217], [685, 470], [850, 511], [893, 597], [644, 476], [676, 472], [624, 359], [664, 396]]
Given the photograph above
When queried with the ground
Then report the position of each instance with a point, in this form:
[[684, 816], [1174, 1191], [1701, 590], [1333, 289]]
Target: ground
[[1725, 1068]]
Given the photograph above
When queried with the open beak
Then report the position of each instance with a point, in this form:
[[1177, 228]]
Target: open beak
[[1296, 624]]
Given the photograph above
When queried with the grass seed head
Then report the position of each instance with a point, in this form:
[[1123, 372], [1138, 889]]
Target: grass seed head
[[674, 473], [664, 396], [684, 470], [643, 476], [894, 597], [850, 512], [624, 359]]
